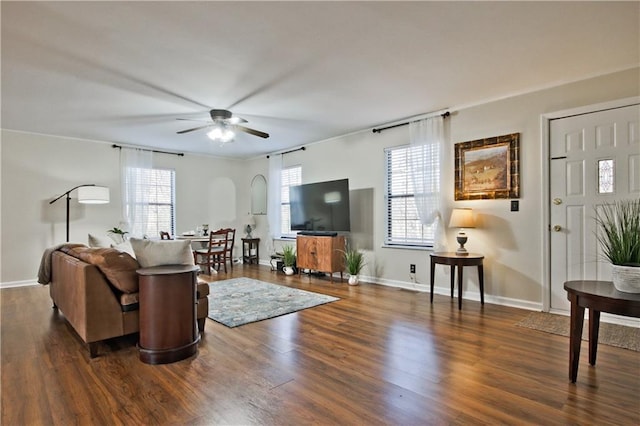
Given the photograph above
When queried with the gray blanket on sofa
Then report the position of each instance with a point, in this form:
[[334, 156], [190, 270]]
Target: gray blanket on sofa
[[44, 272]]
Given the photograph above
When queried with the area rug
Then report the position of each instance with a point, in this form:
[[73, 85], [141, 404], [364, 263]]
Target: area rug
[[609, 334], [240, 301]]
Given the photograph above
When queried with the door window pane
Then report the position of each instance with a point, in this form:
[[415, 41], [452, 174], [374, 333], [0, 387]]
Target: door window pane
[[605, 176]]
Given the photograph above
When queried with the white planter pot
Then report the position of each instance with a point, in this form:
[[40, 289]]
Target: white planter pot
[[288, 270], [626, 278], [353, 280]]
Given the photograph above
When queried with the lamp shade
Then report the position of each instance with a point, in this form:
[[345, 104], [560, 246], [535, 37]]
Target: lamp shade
[[462, 218], [93, 194], [251, 221]]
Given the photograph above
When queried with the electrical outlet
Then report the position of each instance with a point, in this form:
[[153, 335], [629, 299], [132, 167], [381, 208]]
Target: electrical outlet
[[412, 268]]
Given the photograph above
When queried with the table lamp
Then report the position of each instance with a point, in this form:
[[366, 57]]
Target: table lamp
[[462, 218], [250, 225]]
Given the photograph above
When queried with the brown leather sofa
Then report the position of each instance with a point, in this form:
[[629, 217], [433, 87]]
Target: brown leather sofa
[[94, 307]]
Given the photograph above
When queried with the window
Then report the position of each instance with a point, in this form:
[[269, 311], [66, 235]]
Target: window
[[606, 175], [291, 176], [403, 223], [152, 204]]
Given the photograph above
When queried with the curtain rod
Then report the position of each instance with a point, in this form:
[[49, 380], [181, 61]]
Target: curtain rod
[[179, 154], [302, 148], [444, 115]]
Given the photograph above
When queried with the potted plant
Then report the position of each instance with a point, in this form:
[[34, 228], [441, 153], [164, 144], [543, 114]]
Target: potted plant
[[619, 237], [354, 262], [122, 235], [289, 259]]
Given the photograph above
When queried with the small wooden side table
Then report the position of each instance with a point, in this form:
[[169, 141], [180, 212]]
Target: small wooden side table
[[597, 296], [452, 259], [168, 325], [249, 244]]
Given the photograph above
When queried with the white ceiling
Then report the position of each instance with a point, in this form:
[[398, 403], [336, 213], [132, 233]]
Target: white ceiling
[[302, 71]]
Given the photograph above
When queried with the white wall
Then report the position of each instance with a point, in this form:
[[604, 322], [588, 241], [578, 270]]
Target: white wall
[[511, 241], [37, 168]]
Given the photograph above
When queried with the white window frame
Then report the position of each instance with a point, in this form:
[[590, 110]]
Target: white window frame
[[290, 176], [403, 226]]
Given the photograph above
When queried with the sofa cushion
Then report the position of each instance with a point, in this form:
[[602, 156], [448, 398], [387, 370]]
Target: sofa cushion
[[129, 301], [202, 289], [119, 267], [98, 241], [151, 253], [125, 247]]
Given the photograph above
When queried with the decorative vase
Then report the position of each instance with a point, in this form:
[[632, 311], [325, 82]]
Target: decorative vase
[[288, 270], [626, 278], [353, 279]]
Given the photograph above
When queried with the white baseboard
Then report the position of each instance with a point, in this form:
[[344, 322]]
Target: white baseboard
[[24, 283], [466, 295], [605, 317]]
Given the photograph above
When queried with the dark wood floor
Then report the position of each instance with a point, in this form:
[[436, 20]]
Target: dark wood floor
[[378, 356]]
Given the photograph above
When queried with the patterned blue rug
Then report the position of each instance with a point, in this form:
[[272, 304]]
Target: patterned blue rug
[[240, 301]]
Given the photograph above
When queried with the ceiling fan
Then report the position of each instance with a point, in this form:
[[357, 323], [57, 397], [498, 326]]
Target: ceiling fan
[[224, 126]]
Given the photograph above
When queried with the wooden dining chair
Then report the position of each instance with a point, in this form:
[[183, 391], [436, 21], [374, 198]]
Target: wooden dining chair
[[231, 236], [215, 254], [165, 235]]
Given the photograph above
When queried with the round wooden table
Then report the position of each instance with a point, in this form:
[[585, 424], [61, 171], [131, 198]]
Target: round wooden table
[[597, 296], [460, 261]]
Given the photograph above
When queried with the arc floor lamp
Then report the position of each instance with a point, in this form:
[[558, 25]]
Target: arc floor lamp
[[87, 194]]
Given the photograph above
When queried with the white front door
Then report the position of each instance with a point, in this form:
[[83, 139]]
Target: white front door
[[595, 159]]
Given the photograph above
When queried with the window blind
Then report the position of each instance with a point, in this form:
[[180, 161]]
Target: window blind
[[155, 200], [291, 176], [403, 223]]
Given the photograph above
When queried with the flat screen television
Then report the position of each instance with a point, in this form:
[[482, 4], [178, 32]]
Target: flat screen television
[[321, 207]]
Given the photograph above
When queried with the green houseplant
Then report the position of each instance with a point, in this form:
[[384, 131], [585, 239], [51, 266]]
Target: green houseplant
[[619, 237], [289, 258], [354, 262], [122, 235]]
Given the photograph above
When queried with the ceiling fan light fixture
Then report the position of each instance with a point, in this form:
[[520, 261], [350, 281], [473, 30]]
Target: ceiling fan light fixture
[[221, 133], [224, 127]]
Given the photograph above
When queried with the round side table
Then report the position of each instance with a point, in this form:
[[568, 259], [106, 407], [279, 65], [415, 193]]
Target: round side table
[[455, 260], [168, 326]]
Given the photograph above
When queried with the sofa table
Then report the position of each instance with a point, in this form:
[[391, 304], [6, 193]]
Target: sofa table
[[455, 260], [597, 296], [168, 327]]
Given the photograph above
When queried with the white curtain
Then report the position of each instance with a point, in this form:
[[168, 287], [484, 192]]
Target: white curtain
[[134, 164], [274, 193], [428, 136]]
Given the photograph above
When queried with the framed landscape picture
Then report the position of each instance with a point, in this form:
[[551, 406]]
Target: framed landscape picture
[[488, 168]]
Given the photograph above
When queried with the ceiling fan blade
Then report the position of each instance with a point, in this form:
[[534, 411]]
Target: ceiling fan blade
[[195, 128], [253, 132], [194, 119], [235, 120]]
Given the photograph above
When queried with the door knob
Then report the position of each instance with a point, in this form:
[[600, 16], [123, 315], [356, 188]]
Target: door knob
[[557, 201], [557, 228]]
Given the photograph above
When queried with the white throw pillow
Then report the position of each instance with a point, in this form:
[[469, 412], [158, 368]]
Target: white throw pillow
[[95, 241], [151, 253], [125, 247]]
